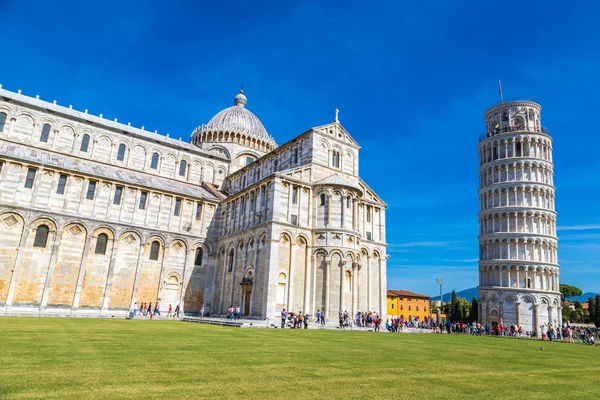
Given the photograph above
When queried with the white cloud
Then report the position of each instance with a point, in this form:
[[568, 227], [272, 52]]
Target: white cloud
[[585, 227], [425, 244]]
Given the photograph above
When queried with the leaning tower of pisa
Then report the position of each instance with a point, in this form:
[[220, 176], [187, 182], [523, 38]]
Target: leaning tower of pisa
[[518, 266]]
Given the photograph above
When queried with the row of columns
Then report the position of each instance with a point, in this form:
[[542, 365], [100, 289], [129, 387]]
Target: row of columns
[[493, 276], [209, 136], [528, 148], [516, 172], [537, 322], [518, 222], [527, 251], [245, 211], [517, 197]]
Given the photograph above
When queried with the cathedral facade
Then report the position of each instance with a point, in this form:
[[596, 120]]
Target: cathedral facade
[[96, 216]]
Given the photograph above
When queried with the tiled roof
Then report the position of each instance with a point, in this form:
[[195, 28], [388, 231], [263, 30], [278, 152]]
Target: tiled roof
[[405, 293], [109, 172]]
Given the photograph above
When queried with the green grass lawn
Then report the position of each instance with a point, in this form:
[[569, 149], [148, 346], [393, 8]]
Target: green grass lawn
[[92, 358]]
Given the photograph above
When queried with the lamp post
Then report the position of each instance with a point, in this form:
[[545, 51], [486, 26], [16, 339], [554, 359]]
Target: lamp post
[[440, 281]]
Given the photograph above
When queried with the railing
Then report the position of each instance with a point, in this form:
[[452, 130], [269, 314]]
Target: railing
[[506, 129], [511, 100]]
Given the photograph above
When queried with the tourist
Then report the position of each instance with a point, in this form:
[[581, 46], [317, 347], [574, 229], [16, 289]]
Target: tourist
[[237, 312], [341, 319], [149, 310], [284, 316], [170, 313], [156, 310], [306, 321], [376, 322], [322, 317], [202, 312], [318, 321], [135, 309], [177, 311]]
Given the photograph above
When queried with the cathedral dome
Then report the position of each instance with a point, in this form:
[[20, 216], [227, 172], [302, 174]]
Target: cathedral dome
[[237, 120]]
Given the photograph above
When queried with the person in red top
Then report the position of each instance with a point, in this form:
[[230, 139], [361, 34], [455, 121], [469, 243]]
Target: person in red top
[[170, 313]]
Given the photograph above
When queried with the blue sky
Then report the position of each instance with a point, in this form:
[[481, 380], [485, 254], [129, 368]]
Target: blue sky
[[411, 79]]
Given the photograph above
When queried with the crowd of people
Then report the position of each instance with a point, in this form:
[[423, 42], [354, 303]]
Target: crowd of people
[[345, 320], [297, 320], [583, 334], [549, 332], [146, 310], [399, 324], [232, 312]]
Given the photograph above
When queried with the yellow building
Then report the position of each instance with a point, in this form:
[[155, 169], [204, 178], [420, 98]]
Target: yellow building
[[407, 305]]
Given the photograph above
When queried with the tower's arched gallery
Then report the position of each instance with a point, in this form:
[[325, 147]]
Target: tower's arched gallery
[[96, 215], [518, 266]]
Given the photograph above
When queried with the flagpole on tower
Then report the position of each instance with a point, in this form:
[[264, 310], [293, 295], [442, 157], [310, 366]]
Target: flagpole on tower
[[500, 91]]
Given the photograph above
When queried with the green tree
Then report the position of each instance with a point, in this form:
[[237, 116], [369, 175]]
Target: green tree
[[474, 310], [591, 310], [597, 311], [569, 291], [454, 307], [567, 313]]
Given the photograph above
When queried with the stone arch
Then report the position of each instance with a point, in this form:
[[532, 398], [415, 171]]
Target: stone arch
[[35, 262], [63, 281], [12, 226], [324, 144], [44, 220]]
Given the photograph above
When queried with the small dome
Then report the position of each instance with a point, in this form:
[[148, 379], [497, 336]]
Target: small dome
[[238, 119], [240, 99]]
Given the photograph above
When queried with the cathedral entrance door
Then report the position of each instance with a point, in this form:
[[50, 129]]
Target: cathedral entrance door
[[171, 293], [495, 327], [247, 296]]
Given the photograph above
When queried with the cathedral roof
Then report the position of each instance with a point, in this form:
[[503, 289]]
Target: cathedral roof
[[337, 180], [406, 293], [238, 119]]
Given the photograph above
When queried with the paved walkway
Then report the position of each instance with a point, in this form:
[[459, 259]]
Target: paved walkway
[[276, 324]]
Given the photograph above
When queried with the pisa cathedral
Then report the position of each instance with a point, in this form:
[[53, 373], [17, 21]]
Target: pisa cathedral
[[518, 261], [96, 215]]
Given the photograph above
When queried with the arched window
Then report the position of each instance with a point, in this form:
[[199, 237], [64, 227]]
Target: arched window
[[101, 243], [348, 202], [85, 142], [230, 261], [41, 236], [348, 281], [154, 163], [121, 152], [182, 168], [2, 121], [505, 115], [154, 249], [323, 199], [335, 159], [45, 133], [198, 258]]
